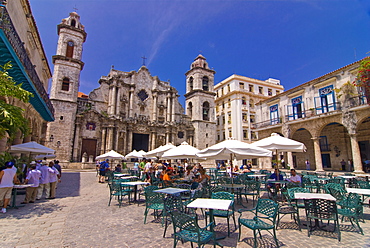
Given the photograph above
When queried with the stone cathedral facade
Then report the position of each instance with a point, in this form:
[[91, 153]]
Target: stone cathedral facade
[[129, 110]]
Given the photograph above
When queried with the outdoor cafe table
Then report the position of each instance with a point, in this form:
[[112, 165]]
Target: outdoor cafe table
[[120, 175], [135, 184], [171, 191], [14, 193], [307, 196], [128, 177], [358, 191], [211, 204]]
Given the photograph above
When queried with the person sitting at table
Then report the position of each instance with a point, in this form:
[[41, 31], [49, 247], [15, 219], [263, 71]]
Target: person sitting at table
[[277, 177], [203, 178], [167, 177], [189, 175], [235, 168], [118, 168], [294, 178]]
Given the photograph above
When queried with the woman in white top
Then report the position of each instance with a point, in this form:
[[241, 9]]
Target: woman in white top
[[7, 178]]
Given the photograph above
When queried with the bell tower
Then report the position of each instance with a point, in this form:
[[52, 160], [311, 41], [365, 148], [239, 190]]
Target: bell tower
[[65, 84], [200, 102]]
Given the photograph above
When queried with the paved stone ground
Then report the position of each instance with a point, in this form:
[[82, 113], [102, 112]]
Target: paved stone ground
[[80, 217]]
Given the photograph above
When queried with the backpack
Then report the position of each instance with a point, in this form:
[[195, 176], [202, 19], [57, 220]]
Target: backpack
[[102, 166]]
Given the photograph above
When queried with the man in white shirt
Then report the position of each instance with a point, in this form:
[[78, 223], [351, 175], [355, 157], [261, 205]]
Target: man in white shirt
[[33, 177], [294, 178]]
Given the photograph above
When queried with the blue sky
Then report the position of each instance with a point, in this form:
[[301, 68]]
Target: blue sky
[[290, 40]]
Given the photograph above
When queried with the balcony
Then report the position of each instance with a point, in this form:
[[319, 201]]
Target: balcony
[[266, 123], [23, 71]]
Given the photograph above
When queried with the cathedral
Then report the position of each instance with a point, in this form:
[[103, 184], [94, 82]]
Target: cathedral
[[129, 110]]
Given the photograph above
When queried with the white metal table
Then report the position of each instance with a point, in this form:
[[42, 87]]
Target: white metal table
[[135, 184]]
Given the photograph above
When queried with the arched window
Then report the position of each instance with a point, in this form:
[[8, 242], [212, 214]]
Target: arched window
[[205, 111], [205, 83], [191, 83], [190, 109], [73, 23], [65, 84], [70, 47]]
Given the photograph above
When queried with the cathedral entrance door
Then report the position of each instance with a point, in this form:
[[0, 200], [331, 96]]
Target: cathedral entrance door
[[89, 146], [140, 141]]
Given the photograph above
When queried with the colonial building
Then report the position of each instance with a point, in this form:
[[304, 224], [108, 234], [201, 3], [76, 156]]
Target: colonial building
[[235, 100], [328, 114], [21, 45], [129, 110]]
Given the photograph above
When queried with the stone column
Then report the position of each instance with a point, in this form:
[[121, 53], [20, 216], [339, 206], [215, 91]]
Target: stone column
[[173, 107], [109, 110], [124, 145], [155, 99], [113, 101], [118, 100], [317, 150], [290, 159], [76, 142], [168, 118], [129, 140], [356, 155], [116, 139], [153, 134], [167, 137], [131, 103], [103, 138], [109, 144]]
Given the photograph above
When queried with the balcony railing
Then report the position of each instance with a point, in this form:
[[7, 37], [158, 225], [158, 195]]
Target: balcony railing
[[6, 25], [266, 123]]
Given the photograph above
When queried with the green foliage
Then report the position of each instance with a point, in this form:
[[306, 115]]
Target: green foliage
[[347, 90], [11, 117], [363, 74]]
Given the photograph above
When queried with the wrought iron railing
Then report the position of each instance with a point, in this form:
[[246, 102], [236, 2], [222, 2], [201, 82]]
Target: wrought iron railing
[[266, 123], [11, 34]]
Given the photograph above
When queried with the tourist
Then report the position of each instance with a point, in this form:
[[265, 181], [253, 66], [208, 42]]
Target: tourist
[[33, 177], [44, 180], [343, 165], [203, 178], [308, 164], [103, 168], [118, 168], [189, 175], [7, 179], [53, 178], [147, 170], [167, 180], [59, 168], [294, 178], [277, 177]]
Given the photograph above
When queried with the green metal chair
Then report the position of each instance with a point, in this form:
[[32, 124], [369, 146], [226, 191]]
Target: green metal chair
[[321, 210], [153, 201], [116, 190], [264, 218], [292, 206], [252, 188], [352, 209], [224, 213], [337, 191], [171, 202], [186, 228], [309, 183]]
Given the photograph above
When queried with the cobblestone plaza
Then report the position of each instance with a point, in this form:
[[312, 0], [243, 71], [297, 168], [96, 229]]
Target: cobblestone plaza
[[80, 217]]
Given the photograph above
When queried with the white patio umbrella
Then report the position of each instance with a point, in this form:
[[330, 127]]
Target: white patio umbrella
[[183, 151], [279, 143], [158, 152], [31, 148], [233, 149], [110, 155], [136, 154]]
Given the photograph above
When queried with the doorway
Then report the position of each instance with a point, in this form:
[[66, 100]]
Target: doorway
[[326, 160], [89, 146], [140, 141]]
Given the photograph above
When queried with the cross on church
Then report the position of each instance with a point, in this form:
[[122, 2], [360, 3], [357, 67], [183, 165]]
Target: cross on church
[[75, 8], [144, 58]]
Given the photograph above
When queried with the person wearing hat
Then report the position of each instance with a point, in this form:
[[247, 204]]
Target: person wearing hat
[[7, 179], [33, 177], [44, 180]]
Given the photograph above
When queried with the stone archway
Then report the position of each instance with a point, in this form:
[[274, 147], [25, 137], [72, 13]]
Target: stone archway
[[299, 158]]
